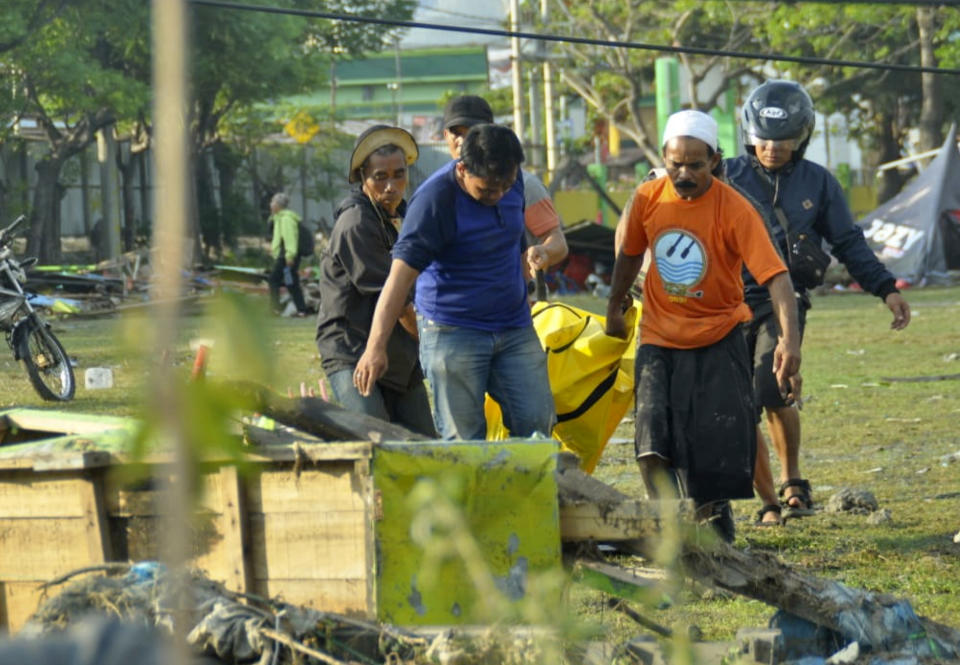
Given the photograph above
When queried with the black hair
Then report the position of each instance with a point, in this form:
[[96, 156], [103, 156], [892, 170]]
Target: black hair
[[491, 151], [717, 172], [382, 151]]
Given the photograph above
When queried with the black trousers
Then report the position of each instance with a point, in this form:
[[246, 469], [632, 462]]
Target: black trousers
[[694, 408], [276, 281]]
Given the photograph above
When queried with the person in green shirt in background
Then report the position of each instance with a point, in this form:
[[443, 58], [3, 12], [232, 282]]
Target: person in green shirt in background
[[285, 250]]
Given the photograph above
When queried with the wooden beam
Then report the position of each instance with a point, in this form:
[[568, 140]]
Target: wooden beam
[[373, 510], [315, 416], [95, 517], [624, 521], [234, 530]]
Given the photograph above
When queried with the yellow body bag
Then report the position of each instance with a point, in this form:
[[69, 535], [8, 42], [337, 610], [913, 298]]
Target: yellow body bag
[[591, 378]]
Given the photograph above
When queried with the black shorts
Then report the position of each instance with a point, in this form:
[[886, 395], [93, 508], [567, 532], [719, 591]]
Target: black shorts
[[761, 334], [694, 408]]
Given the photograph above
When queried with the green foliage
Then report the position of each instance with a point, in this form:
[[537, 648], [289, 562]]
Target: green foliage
[[86, 59], [242, 62], [880, 106]]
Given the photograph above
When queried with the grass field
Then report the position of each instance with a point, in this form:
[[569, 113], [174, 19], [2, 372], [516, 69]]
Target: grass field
[[861, 431]]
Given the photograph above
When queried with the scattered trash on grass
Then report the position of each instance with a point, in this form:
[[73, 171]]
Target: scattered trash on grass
[[848, 500], [882, 516], [98, 378]]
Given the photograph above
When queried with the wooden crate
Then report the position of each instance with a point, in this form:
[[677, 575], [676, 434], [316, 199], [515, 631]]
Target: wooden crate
[[298, 524], [310, 523]]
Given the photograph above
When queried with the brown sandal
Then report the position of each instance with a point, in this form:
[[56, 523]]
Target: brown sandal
[[769, 508], [804, 495]]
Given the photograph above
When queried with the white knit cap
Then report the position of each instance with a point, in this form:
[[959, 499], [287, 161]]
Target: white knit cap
[[697, 124]]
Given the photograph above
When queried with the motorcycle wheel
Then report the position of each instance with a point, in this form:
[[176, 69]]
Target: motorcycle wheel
[[47, 364]]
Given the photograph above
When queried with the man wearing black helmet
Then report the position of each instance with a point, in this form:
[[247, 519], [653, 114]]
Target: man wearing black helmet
[[808, 206]]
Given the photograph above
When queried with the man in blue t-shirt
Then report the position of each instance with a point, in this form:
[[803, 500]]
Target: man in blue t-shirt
[[462, 242]]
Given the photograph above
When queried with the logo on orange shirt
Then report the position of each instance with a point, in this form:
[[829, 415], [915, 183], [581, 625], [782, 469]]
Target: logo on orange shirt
[[681, 262]]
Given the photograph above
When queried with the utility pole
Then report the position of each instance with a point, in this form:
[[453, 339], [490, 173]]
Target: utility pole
[[333, 89], [398, 79], [536, 106], [536, 109], [550, 121], [516, 70]]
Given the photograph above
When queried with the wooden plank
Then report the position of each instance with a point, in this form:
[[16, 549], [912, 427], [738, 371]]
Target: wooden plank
[[138, 538], [89, 459], [343, 596], [40, 549], [95, 518], [317, 545], [27, 494], [212, 558], [15, 463], [64, 422], [18, 600], [627, 520], [123, 502], [233, 525], [373, 510], [304, 451], [331, 487], [54, 461]]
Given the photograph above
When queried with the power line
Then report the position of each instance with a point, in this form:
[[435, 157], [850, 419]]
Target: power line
[[911, 3], [396, 23]]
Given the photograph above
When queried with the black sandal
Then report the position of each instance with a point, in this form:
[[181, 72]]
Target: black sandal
[[769, 508], [804, 495]]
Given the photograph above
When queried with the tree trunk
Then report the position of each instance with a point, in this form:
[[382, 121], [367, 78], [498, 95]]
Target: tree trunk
[[931, 112], [888, 149], [226, 163], [127, 171], [145, 221], [207, 210], [880, 622], [44, 238]]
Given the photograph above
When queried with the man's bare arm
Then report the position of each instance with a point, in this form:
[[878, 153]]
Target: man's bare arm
[[786, 356], [624, 273], [551, 250]]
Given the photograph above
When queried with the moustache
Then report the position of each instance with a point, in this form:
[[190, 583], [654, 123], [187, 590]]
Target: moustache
[[685, 184]]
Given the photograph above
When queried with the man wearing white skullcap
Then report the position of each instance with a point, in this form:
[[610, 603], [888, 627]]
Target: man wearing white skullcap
[[695, 124], [695, 431]]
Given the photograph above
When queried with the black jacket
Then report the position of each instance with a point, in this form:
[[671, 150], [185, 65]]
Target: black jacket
[[353, 270], [814, 203]]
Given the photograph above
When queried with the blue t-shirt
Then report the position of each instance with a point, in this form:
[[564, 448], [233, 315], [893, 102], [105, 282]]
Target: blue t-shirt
[[468, 255]]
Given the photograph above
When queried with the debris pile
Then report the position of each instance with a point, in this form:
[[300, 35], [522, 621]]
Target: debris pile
[[233, 627], [123, 283]]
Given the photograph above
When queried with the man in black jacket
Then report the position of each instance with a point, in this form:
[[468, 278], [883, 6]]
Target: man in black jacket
[[806, 205], [352, 273]]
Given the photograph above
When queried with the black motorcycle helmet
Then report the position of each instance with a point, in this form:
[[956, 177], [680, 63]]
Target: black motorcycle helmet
[[778, 110]]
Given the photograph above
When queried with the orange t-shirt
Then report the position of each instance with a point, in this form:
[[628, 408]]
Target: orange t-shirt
[[693, 292]]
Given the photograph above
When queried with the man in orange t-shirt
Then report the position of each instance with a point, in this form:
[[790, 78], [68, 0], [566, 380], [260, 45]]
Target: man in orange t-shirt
[[694, 399]]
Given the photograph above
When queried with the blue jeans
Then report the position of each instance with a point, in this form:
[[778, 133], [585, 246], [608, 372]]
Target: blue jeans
[[410, 409], [462, 364]]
